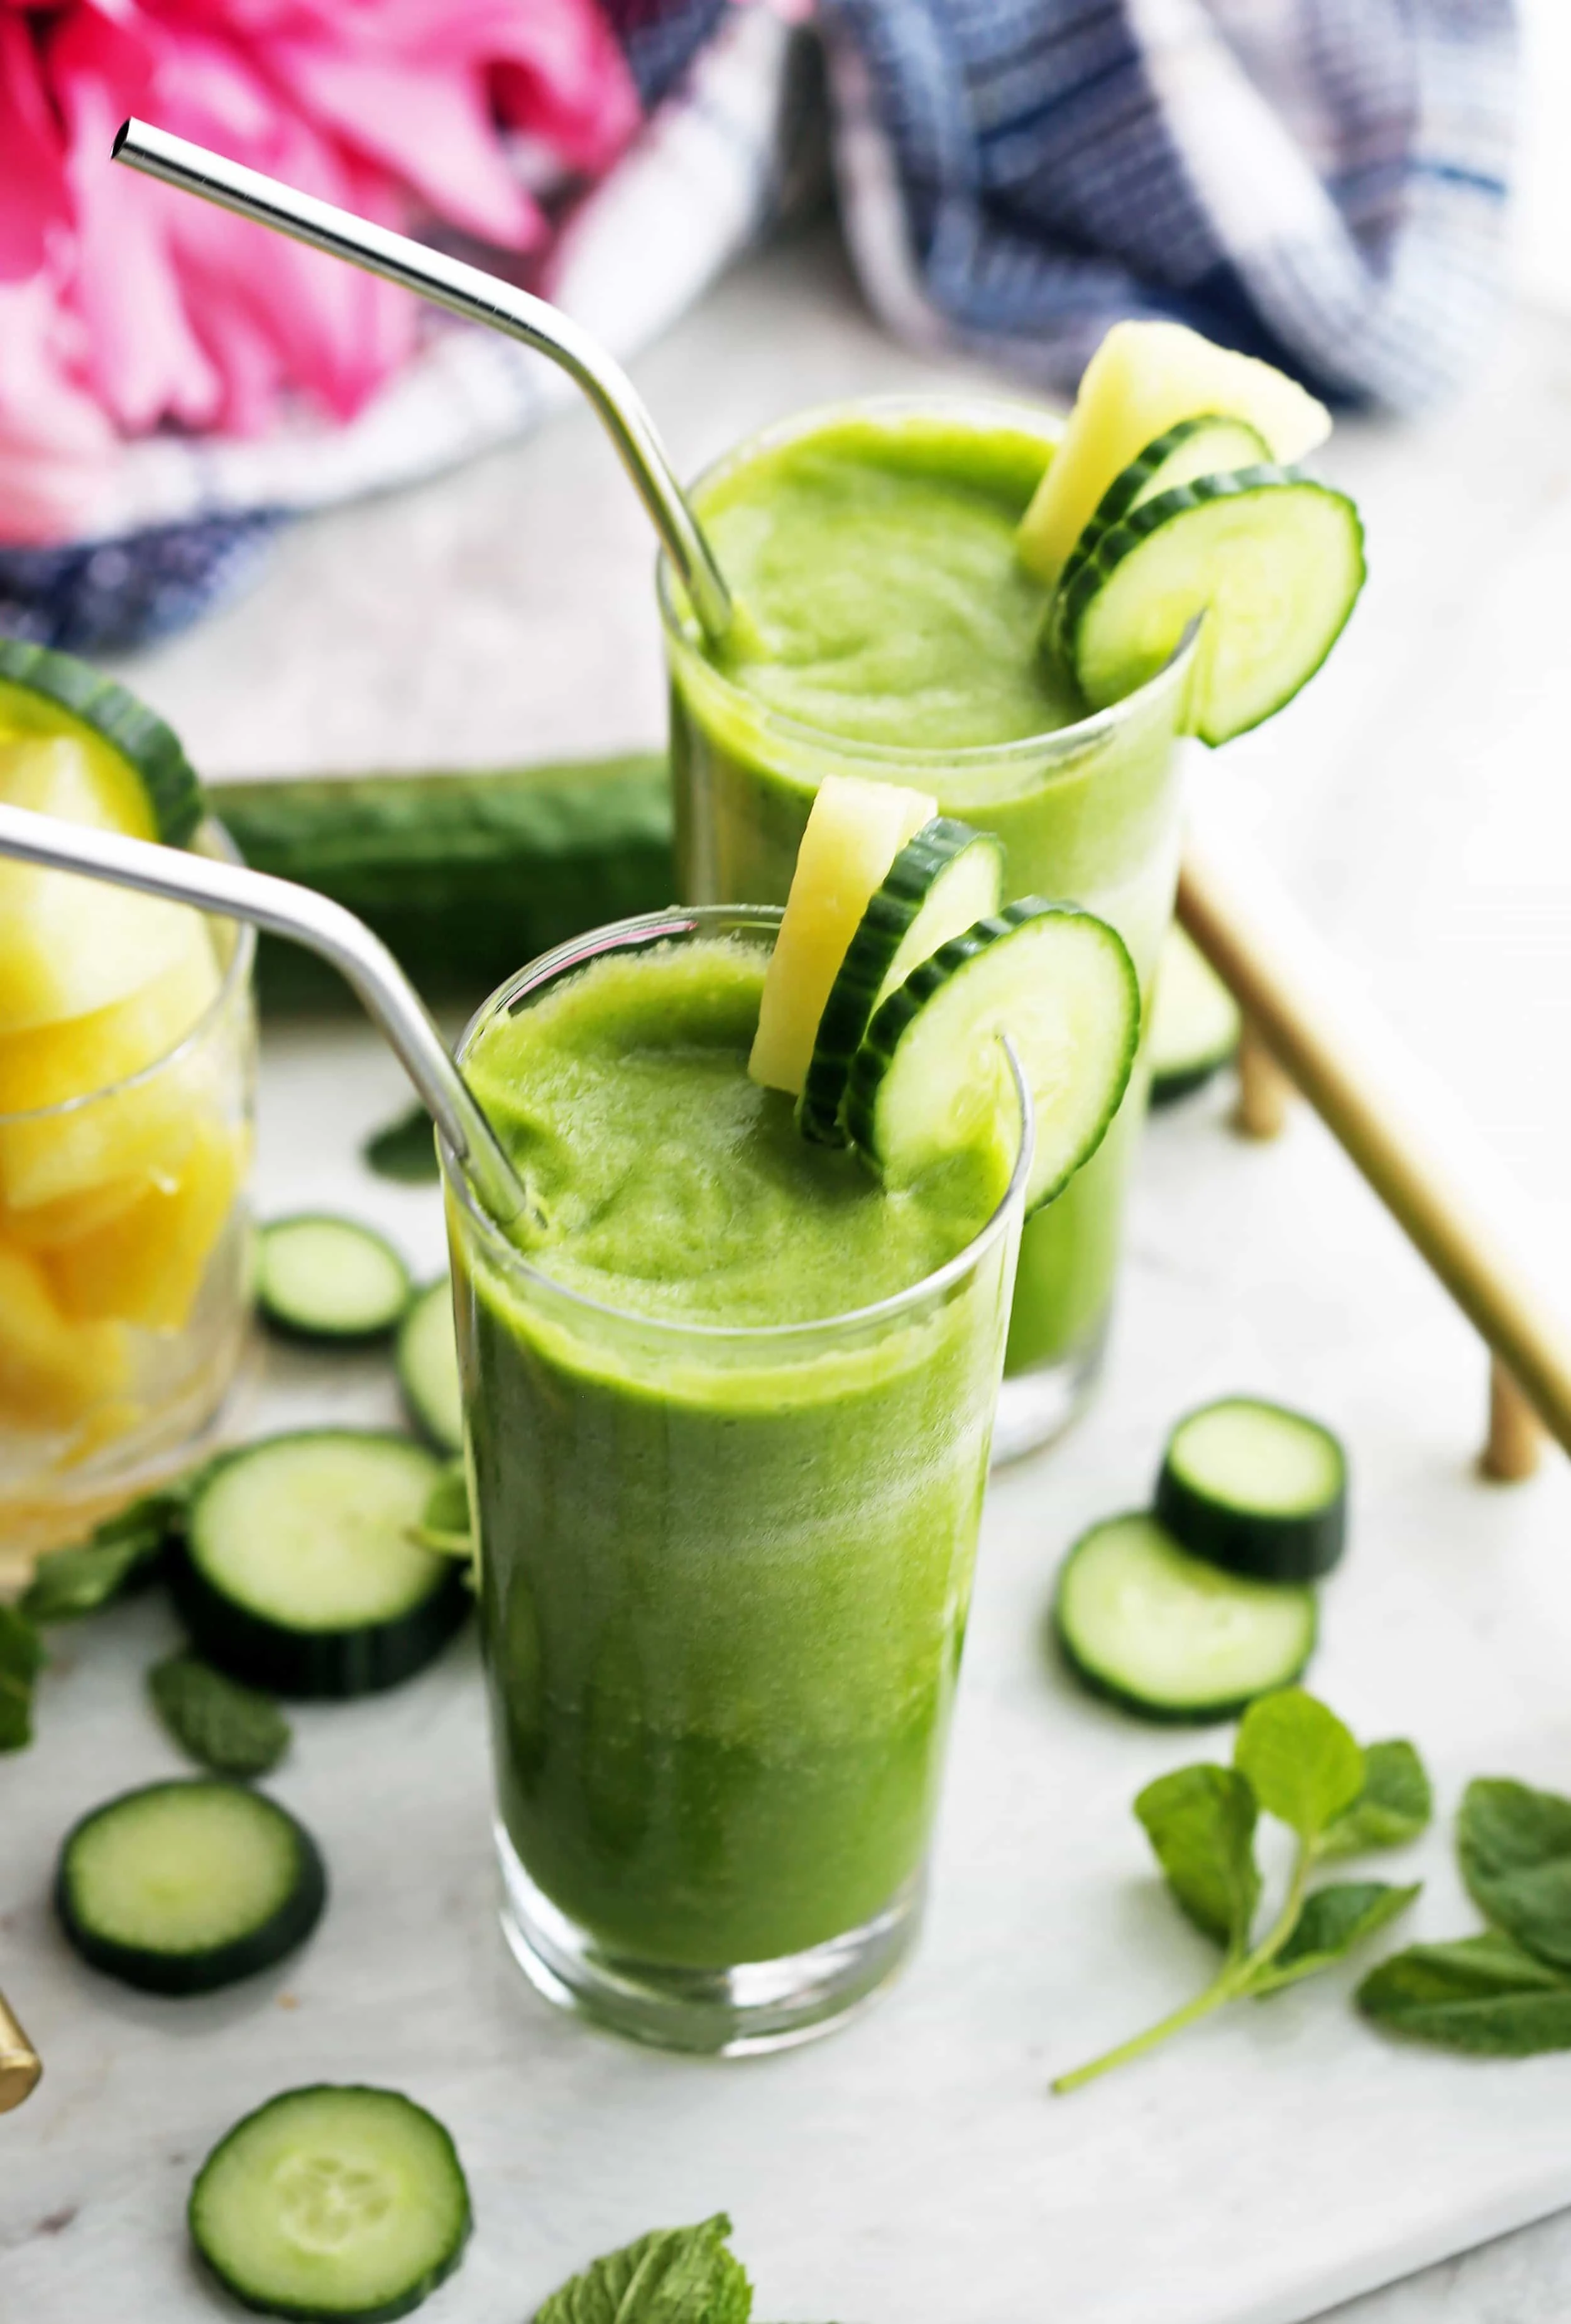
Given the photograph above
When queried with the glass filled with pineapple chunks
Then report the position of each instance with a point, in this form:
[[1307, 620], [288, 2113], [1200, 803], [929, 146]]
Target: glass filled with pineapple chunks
[[127, 1045]]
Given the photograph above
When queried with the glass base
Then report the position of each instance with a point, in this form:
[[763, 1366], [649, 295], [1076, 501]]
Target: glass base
[[721, 2012], [1036, 1406]]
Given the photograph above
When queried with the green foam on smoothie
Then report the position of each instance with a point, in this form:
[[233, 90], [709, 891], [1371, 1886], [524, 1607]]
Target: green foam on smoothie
[[671, 1185], [885, 601]]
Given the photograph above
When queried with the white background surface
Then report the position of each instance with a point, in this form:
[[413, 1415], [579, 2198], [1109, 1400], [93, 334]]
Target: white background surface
[[913, 2172]]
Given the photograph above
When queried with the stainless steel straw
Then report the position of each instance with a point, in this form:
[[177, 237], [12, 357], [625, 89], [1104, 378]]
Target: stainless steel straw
[[480, 297], [288, 909]]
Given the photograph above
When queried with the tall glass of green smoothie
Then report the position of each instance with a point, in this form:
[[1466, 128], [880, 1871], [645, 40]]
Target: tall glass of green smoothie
[[888, 630], [728, 1407]]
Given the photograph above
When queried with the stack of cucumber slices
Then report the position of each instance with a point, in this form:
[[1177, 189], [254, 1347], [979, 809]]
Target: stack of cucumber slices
[[897, 974], [1190, 1611], [1174, 499]]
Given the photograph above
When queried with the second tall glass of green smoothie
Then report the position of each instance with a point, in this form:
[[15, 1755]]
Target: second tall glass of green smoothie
[[887, 630]]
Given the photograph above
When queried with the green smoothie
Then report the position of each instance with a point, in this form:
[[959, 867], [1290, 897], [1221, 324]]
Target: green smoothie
[[726, 1544], [888, 630]]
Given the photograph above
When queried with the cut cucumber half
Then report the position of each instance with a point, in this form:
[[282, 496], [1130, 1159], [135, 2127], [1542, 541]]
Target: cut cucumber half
[[298, 1571], [333, 2201], [46, 693], [428, 1367], [181, 1887], [1273, 560], [931, 1080], [1257, 1488], [943, 880], [1194, 1021], [854, 830], [1170, 1635], [320, 1277]]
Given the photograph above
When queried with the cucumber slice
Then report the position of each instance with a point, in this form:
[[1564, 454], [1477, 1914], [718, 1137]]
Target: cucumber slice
[[181, 1887], [1257, 1488], [1273, 560], [46, 693], [1208, 446], [930, 1079], [943, 880], [320, 1278], [332, 2202], [299, 1572], [1169, 1637], [428, 1367], [1194, 1021], [854, 830]]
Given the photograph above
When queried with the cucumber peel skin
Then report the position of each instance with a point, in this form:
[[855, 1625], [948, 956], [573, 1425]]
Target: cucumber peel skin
[[179, 1974], [1116, 619], [84, 699], [464, 875], [1297, 1538], [213, 2209]]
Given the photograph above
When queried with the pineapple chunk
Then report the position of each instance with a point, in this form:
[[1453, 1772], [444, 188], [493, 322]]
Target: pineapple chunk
[[146, 1266], [854, 833], [81, 1056], [47, 1225], [52, 1370], [70, 946], [1142, 381], [134, 1127]]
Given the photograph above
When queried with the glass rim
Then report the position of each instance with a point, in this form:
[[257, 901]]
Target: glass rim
[[237, 971], [644, 929], [974, 758]]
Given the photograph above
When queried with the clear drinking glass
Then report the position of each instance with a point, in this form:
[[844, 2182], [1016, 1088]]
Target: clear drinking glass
[[724, 1579], [125, 1267], [1089, 812]]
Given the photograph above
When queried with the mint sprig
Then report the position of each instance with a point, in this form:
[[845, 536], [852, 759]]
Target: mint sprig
[[1293, 1759], [675, 2275]]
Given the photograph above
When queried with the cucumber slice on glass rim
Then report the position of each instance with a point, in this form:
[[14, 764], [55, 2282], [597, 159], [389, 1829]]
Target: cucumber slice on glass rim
[[944, 880], [51, 695], [337, 2200], [1273, 560], [1170, 1637], [1257, 1488], [181, 1887], [931, 1080]]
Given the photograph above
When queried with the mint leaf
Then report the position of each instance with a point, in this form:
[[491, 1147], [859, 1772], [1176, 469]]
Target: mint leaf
[[404, 1149], [20, 1660], [220, 1724], [1333, 1919], [1200, 1821], [1514, 1847], [676, 2275], [1299, 1759], [1484, 1995], [1394, 1806], [68, 1583]]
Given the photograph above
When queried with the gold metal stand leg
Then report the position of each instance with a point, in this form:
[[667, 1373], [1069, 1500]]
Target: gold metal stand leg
[[1515, 1444], [1264, 1090], [20, 2065]]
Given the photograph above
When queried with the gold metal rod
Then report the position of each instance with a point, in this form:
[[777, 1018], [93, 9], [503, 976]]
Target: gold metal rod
[[1413, 1144], [20, 2064]]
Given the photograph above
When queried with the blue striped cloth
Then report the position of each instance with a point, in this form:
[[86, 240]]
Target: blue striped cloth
[[1321, 182]]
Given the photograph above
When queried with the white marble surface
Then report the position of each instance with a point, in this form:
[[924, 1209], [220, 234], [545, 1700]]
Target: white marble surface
[[1416, 800]]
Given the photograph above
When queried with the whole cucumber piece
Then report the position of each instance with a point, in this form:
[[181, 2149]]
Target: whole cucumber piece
[[465, 876]]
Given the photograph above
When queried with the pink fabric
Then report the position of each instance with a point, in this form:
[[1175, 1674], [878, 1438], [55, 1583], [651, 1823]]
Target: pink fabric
[[126, 306]]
